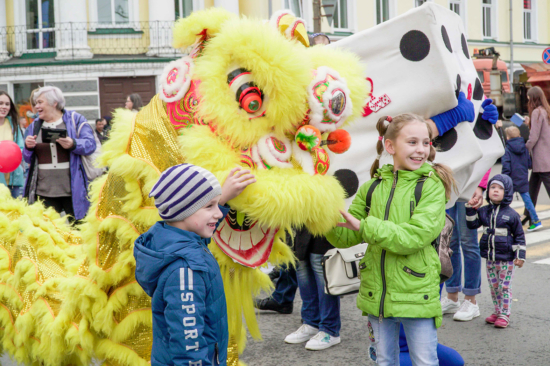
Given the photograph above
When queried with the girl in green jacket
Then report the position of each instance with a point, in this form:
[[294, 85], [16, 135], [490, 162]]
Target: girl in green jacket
[[400, 270]]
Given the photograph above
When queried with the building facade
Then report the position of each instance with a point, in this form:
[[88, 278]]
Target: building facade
[[99, 51]]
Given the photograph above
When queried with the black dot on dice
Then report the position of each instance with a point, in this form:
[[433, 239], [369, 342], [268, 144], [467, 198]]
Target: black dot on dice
[[447, 141], [458, 84], [414, 46], [478, 90], [483, 129], [349, 181], [446, 38], [465, 46]]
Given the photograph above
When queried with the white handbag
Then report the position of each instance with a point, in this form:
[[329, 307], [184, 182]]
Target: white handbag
[[88, 161], [341, 270]]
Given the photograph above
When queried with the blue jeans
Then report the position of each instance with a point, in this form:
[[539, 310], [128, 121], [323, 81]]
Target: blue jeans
[[286, 286], [421, 339], [16, 192], [466, 240], [529, 206], [319, 310]]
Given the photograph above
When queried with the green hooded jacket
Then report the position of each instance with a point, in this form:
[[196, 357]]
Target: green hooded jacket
[[400, 270]]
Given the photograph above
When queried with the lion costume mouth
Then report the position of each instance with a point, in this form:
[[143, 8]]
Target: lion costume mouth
[[247, 243]]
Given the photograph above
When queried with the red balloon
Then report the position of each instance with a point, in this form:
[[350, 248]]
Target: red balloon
[[10, 156]]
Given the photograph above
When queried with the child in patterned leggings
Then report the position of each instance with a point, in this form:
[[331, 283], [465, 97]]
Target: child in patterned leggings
[[502, 244]]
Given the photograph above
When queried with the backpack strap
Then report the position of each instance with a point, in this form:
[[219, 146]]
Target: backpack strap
[[369, 195], [418, 192]]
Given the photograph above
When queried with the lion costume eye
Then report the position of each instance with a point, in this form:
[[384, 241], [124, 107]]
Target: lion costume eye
[[250, 97]]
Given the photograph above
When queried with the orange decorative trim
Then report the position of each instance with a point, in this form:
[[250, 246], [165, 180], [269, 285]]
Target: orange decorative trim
[[123, 219], [9, 259], [11, 317], [14, 290], [120, 288], [48, 305]]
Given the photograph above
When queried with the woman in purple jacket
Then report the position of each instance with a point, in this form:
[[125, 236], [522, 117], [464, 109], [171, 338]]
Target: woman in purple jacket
[[56, 174]]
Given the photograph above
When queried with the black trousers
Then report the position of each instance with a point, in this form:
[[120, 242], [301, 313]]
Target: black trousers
[[60, 204], [535, 182]]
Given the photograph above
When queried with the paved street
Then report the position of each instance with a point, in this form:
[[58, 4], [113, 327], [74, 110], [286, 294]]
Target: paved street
[[526, 342]]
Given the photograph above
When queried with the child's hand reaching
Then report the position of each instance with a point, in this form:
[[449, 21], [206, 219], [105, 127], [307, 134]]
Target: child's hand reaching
[[351, 222], [477, 199], [518, 263], [237, 180]]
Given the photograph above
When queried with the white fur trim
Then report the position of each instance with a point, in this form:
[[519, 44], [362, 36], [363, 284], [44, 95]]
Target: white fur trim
[[172, 92], [303, 158], [289, 32], [319, 109], [271, 155], [275, 18], [256, 157]]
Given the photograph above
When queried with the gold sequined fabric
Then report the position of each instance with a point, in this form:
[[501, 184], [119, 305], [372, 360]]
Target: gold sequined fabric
[[154, 137], [135, 303], [108, 249], [141, 341], [232, 352]]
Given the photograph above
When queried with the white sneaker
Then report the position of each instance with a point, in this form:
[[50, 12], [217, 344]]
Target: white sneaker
[[304, 333], [321, 341], [449, 306], [467, 311]]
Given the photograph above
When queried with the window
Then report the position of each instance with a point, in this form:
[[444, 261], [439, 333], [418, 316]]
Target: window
[[295, 6], [480, 75], [528, 20], [382, 11], [40, 24], [489, 14], [341, 15], [113, 11], [454, 5], [504, 76], [183, 8], [459, 7]]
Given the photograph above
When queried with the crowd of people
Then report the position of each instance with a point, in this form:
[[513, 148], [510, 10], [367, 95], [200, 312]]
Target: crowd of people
[[55, 144]]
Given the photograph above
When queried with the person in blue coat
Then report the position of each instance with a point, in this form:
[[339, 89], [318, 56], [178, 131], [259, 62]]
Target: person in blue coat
[[177, 270], [502, 244], [10, 130], [518, 157]]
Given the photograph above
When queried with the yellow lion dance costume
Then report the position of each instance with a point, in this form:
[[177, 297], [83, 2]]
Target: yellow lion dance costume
[[250, 94]]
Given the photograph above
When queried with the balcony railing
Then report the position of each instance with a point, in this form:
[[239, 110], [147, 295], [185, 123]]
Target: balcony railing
[[72, 41]]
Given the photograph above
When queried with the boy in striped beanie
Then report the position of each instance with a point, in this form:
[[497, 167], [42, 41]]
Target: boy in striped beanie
[[175, 267]]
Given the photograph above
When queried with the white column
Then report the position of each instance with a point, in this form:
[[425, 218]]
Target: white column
[[3, 33], [71, 36], [229, 5], [162, 14]]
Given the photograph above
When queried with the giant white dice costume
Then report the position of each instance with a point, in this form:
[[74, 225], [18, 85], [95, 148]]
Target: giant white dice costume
[[418, 62]]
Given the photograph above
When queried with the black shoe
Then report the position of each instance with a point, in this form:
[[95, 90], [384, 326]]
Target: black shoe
[[270, 304], [273, 275], [524, 220]]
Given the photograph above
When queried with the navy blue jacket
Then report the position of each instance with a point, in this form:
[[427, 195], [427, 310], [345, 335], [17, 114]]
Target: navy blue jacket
[[516, 163], [183, 278], [503, 238]]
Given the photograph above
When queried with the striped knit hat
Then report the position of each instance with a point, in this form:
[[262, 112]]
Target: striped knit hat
[[182, 190]]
